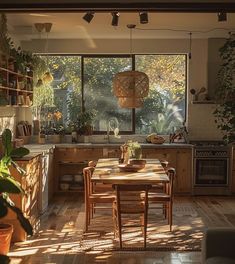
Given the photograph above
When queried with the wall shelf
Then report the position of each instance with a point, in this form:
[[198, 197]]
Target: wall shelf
[[203, 102], [16, 89]]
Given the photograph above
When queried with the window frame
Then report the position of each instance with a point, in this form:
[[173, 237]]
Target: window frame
[[133, 59]]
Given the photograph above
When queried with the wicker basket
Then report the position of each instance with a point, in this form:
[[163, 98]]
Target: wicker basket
[[157, 140]]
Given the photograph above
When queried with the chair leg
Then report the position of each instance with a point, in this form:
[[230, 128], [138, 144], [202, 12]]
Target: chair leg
[[119, 230], [114, 223], [170, 215], [87, 218], [145, 228]]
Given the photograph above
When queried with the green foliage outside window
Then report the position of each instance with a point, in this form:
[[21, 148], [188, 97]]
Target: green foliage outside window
[[164, 108]]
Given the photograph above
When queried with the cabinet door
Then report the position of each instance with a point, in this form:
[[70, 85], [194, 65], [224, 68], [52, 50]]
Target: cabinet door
[[233, 170], [78, 154], [183, 181], [161, 154], [111, 152]]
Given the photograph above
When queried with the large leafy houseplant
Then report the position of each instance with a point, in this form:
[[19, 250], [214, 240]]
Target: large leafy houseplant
[[8, 184], [225, 94]]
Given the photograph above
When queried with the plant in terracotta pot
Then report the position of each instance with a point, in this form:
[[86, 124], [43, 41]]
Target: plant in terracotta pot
[[8, 185]]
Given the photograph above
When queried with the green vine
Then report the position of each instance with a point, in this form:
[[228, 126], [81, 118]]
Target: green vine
[[225, 94]]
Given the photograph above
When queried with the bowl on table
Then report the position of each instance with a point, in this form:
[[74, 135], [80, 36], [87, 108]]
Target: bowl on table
[[131, 167], [137, 161]]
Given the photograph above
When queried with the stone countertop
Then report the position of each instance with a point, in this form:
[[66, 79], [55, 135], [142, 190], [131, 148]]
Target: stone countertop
[[35, 150], [38, 149], [113, 145]]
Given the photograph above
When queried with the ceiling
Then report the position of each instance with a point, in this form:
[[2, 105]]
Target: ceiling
[[161, 25]]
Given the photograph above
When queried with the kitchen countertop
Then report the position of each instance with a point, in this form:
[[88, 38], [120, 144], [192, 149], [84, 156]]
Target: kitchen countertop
[[38, 149], [111, 145]]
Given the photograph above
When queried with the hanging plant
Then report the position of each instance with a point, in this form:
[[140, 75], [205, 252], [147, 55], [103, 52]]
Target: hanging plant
[[47, 77], [225, 94]]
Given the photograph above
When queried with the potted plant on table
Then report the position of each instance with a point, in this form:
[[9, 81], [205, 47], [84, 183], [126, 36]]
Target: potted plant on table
[[135, 153], [8, 185]]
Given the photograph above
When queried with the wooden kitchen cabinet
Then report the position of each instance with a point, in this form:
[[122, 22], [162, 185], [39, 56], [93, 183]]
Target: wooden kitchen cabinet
[[69, 164], [181, 160], [233, 169], [183, 181], [112, 152], [28, 203], [161, 154]]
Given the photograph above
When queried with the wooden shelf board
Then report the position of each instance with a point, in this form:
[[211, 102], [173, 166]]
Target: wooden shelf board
[[16, 73], [72, 163], [14, 89], [70, 191], [203, 102]]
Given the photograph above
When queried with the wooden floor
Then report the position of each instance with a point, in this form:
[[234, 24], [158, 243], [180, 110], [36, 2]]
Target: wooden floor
[[60, 235]]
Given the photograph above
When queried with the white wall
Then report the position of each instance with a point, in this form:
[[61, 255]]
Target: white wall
[[197, 67]]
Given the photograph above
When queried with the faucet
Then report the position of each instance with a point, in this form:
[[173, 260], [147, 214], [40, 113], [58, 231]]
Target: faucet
[[112, 125]]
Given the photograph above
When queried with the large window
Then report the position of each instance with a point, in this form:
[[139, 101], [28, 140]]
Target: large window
[[164, 108], [85, 82], [98, 90]]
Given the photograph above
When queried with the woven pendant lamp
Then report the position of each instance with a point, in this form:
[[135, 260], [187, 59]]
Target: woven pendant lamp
[[131, 87]]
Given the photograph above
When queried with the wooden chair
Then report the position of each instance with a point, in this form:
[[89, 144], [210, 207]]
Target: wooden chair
[[165, 198], [100, 187], [130, 199], [93, 198], [161, 187]]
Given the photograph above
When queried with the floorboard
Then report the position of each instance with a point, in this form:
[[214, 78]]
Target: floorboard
[[60, 236]]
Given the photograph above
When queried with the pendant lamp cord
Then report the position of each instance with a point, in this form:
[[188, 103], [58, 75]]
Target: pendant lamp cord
[[47, 50], [190, 45], [130, 41]]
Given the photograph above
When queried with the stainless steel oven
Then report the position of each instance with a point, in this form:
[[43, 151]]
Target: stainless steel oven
[[211, 170]]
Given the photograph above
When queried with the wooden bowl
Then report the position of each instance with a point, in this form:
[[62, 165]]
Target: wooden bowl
[[130, 167], [137, 161]]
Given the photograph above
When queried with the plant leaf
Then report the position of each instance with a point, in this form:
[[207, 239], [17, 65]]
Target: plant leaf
[[19, 152], [18, 168], [6, 140], [3, 209], [9, 185]]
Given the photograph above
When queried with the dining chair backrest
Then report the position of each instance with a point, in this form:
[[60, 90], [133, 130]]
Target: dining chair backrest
[[164, 164], [87, 173], [92, 163], [130, 194], [171, 172]]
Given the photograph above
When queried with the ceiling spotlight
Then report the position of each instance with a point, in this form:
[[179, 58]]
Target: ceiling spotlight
[[144, 18], [115, 18], [222, 16], [88, 16]]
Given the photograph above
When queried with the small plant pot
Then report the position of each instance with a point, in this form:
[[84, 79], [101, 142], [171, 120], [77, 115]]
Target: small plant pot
[[56, 139], [6, 231]]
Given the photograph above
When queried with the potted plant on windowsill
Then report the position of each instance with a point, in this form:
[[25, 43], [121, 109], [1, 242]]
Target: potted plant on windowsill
[[84, 122], [8, 185]]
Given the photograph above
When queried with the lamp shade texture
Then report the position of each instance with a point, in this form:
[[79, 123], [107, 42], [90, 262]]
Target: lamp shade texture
[[131, 87]]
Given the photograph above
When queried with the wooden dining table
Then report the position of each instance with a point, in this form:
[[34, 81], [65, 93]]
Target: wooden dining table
[[107, 171]]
